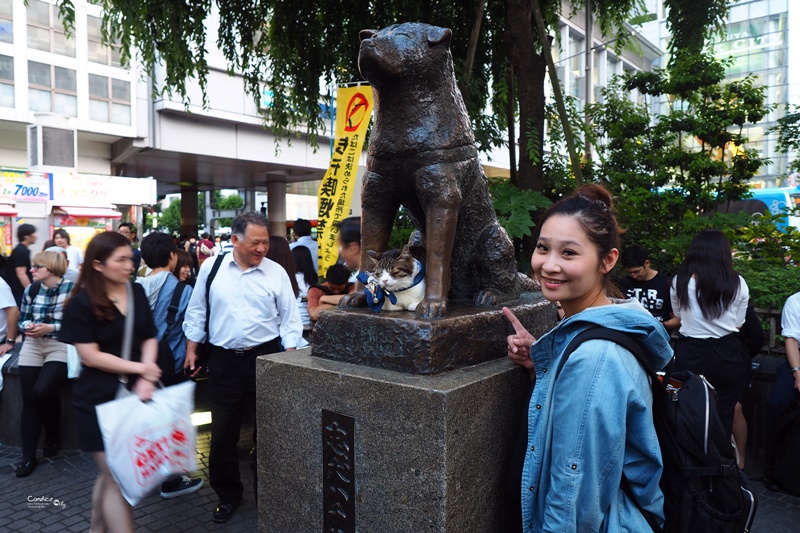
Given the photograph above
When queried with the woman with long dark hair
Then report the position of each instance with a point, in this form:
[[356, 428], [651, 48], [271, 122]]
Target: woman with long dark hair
[[306, 277], [94, 322], [280, 253], [710, 299]]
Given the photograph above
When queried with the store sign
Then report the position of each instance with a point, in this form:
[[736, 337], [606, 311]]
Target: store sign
[[63, 221], [26, 186], [77, 189]]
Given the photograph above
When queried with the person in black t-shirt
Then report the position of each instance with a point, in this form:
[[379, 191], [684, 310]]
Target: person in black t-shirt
[[18, 267], [648, 286], [94, 323]]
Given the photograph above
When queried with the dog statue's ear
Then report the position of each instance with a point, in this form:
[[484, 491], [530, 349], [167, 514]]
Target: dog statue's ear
[[366, 34], [439, 36]]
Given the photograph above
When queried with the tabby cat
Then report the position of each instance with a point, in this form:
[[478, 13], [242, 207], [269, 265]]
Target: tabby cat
[[401, 274]]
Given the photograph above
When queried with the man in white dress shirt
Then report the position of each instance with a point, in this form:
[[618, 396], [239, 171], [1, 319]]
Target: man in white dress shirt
[[253, 312]]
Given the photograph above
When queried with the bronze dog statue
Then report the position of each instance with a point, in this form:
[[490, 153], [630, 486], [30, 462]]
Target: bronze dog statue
[[422, 156]]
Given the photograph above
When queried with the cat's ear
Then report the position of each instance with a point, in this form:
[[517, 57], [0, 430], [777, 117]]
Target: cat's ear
[[371, 260], [417, 252]]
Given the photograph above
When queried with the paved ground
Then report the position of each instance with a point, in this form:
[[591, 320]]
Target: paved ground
[[69, 477]]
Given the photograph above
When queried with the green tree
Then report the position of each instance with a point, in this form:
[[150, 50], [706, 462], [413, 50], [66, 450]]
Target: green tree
[[684, 169], [497, 53], [287, 47], [171, 217], [788, 130], [232, 201]]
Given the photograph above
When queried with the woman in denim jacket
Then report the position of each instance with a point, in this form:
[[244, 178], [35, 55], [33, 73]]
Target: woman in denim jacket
[[595, 423]]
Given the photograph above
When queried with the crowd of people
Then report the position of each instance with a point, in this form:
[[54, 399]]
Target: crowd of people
[[186, 295], [216, 306]]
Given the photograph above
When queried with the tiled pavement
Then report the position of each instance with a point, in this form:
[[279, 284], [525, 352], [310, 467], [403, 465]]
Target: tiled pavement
[[69, 477]]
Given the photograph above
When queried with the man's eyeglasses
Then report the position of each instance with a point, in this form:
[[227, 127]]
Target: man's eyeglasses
[[37, 267], [634, 272]]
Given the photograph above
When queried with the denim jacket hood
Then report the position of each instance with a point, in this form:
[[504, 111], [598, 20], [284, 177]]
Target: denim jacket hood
[[592, 425]]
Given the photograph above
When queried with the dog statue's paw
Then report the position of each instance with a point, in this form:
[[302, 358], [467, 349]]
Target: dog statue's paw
[[487, 298], [432, 308], [354, 299]]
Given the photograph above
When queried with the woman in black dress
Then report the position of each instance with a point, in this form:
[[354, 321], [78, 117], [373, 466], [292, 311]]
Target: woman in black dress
[[94, 322]]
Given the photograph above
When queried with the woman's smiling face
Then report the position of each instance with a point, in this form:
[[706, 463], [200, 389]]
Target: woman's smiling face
[[566, 263]]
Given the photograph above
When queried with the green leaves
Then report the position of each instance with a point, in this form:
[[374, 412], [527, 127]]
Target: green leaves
[[677, 172], [514, 207]]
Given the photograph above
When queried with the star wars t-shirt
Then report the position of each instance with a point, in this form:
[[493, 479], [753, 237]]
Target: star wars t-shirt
[[653, 294]]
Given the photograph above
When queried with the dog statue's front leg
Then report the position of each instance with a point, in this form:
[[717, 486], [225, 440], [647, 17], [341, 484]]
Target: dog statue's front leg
[[440, 227]]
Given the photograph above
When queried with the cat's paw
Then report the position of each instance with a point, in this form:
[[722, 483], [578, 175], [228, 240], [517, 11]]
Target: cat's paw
[[354, 299], [487, 298], [431, 309]]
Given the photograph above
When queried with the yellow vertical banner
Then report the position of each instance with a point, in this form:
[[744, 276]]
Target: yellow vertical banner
[[335, 194]]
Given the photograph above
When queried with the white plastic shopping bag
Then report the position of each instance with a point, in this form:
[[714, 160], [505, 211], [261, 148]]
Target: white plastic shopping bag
[[147, 442]]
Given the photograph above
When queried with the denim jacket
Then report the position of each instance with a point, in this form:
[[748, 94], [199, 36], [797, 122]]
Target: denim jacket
[[159, 291], [592, 425]]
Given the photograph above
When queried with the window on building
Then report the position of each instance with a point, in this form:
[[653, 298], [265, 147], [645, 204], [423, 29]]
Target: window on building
[[46, 29], [52, 89], [97, 52], [6, 22], [109, 100], [575, 73], [6, 81]]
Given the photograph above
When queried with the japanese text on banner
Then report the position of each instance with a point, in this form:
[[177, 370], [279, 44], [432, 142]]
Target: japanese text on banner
[[353, 114]]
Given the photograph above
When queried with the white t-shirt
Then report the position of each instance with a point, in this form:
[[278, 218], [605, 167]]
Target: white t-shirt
[[790, 317], [6, 300], [74, 257], [302, 298], [694, 324]]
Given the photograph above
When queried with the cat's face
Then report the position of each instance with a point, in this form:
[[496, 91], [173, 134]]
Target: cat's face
[[395, 269]]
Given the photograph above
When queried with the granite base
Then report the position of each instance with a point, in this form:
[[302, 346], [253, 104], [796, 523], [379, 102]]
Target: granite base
[[425, 453]]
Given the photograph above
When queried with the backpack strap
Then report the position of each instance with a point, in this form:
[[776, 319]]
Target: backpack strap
[[211, 276], [631, 344], [175, 302], [34, 290]]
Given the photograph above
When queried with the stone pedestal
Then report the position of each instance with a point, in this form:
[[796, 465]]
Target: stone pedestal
[[397, 452]]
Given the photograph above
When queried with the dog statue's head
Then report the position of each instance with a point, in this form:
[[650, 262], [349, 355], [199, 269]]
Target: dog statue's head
[[404, 50]]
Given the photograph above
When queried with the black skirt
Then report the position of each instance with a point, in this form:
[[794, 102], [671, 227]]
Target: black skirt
[[724, 362]]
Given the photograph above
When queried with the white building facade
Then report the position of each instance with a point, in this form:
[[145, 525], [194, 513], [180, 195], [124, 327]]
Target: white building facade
[[761, 42]]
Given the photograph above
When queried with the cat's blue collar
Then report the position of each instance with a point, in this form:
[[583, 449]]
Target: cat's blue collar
[[376, 300]]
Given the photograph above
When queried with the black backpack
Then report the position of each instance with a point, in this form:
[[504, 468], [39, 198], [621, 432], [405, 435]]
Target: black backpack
[[166, 359], [704, 489], [784, 467]]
